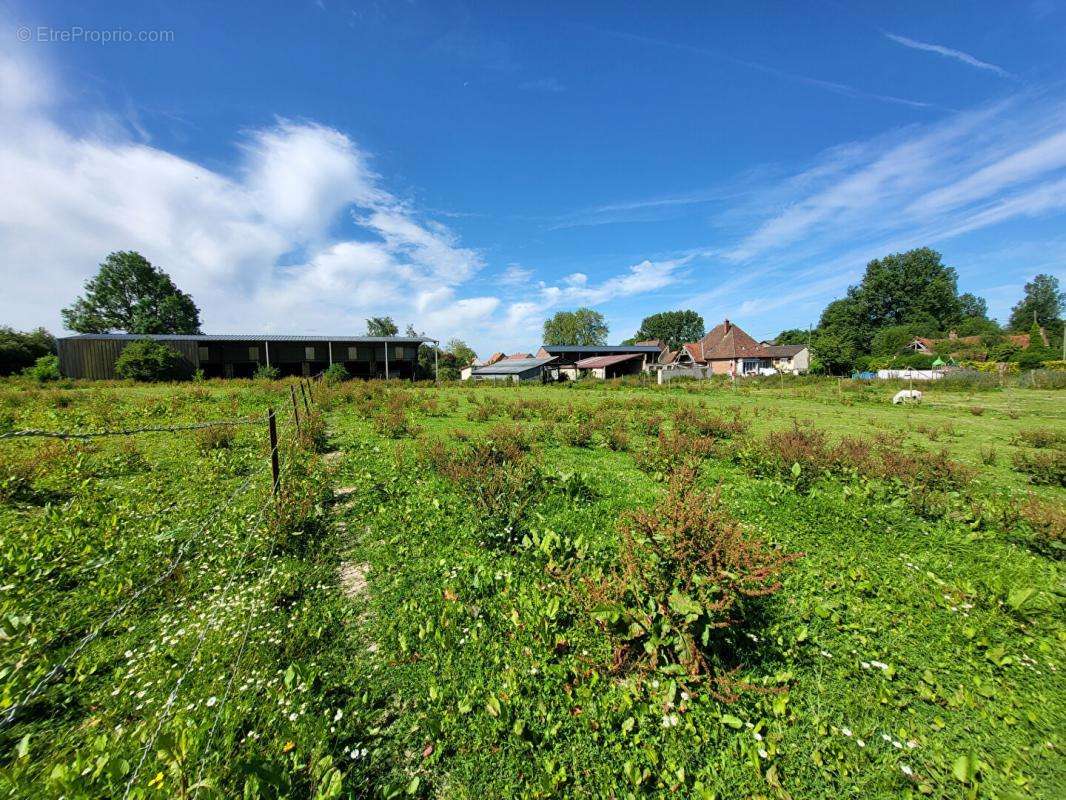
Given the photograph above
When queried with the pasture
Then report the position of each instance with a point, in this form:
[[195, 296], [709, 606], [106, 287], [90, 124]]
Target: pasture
[[789, 589]]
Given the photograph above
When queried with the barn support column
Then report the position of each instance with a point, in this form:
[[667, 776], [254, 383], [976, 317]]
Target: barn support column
[[386, 359], [330, 353], [266, 349]]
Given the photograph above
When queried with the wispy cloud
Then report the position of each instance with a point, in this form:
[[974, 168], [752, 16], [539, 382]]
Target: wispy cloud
[[515, 275], [921, 185], [835, 87], [948, 52]]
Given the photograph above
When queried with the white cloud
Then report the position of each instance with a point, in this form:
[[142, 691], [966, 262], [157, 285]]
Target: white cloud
[[267, 247], [300, 235], [948, 52], [515, 276]]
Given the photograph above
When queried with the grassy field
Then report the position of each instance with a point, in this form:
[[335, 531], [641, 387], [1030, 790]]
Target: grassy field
[[458, 594]]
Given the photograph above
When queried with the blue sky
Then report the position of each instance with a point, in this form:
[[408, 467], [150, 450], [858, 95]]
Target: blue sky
[[472, 168]]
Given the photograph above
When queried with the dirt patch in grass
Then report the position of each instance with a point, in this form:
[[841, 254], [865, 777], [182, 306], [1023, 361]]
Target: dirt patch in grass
[[353, 578]]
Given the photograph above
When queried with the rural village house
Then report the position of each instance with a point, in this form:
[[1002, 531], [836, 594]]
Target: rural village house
[[729, 350], [955, 343], [725, 350]]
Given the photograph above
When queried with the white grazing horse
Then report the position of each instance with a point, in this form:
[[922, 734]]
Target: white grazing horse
[[907, 395]]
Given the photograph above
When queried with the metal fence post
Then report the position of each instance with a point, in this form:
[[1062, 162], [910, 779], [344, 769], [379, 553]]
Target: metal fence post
[[295, 409], [275, 469]]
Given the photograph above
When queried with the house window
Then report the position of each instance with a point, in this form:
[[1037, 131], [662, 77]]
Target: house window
[[203, 353], [309, 353], [253, 353], [353, 353]]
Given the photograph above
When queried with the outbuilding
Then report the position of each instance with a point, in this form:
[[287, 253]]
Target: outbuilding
[[517, 370], [569, 354], [93, 355], [611, 366]]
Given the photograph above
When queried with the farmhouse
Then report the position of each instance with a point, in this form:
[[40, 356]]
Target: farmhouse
[[729, 350], [93, 355], [517, 370], [794, 358]]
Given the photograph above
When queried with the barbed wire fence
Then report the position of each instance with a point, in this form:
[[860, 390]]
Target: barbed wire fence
[[204, 628], [180, 557]]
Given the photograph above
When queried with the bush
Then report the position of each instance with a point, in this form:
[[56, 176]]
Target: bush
[[1042, 467], [673, 452], [688, 572], [498, 478], [313, 432], [45, 369], [1048, 525], [799, 455], [19, 351], [1040, 437], [578, 434], [336, 373], [394, 423], [697, 422], [147, 360], [217, 437], [265, 372], [1030, 359]]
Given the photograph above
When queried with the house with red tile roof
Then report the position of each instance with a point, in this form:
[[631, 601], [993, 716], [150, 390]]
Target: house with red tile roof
[[727, 349]]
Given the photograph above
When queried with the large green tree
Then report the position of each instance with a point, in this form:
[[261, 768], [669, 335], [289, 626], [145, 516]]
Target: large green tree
[[581, 327], [833, 352], [461, 351], [20, 350], [909, 288], [673, 327], [1043, 302], [913, 289], [793, 336], [129, 294], [381, 326]]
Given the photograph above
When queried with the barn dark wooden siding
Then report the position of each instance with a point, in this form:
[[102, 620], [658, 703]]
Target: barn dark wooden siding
[[95, 358]]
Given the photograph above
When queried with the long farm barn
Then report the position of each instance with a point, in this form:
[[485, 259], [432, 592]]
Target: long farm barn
[[93, 356]]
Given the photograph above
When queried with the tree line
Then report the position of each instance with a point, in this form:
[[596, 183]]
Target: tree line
[[908, 295], [901, 297]]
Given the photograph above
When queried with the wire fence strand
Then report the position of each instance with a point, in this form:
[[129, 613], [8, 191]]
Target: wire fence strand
[[35, 432], [172, 697], [179, 557]]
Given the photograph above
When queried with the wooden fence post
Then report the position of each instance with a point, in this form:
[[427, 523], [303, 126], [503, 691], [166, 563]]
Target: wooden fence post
[[275, 470], [307, 406], [295, 409]]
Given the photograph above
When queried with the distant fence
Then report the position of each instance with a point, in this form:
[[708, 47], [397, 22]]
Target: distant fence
[[667, 375], [910, 374]]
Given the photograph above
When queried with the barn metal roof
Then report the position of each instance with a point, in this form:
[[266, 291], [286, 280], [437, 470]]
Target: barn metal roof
[[251, 337], [512, 367], [598, 362]]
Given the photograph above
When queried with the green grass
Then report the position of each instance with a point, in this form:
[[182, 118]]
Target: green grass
[[468, 668]]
